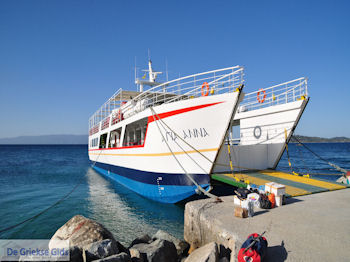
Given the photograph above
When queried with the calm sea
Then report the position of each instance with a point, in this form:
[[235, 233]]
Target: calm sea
[[34, 177]]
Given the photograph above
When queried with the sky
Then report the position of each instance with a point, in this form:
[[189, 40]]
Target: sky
[[61, 60]]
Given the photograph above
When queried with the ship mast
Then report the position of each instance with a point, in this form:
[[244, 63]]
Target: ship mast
[[152, 76]]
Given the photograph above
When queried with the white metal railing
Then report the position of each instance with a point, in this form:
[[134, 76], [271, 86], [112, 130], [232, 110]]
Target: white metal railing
[[106, 109], [275, 95], [218, 81]]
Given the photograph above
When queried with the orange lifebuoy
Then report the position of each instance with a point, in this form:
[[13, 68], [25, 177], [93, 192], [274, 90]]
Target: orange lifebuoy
[[205, 86], [264, 96], [120, 116]]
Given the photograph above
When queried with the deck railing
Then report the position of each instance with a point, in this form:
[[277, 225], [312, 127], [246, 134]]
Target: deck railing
[[208, 83], [275, 95]]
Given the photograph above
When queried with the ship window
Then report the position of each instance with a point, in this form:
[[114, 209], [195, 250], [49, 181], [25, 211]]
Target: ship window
[[103, 139], [135, 133], [114, 138], [235, 136], [93, 142]]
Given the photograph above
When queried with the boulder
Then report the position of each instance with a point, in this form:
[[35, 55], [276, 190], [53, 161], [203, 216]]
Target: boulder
[[207, 253], [157, 251], [122, 257], [101, 249], [182, 246], [75, 254], [136, 255], [82, 232], [144, 239]]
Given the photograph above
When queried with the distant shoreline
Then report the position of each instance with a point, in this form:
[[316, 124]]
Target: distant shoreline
[[83, 140], [310, 139]]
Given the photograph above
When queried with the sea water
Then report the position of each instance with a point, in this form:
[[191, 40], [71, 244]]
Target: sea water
[[33, 177]]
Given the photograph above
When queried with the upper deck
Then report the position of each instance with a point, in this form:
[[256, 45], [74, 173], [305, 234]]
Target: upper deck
[[124, 104], [283, 93]]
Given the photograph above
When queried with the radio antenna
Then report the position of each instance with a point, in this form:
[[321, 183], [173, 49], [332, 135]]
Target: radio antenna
[[166, 69]]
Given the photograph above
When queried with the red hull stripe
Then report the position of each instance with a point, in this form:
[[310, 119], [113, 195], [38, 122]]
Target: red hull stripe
[[162, 115], [179, 111]]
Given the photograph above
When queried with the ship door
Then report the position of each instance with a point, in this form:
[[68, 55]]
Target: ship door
[[235, 134], [103, 140]]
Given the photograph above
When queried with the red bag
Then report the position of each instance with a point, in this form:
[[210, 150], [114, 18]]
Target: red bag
[[253, 249]]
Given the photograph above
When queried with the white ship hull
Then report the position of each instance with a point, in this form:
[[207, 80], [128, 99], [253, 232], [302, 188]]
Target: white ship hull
[[180, 143], [264, 133]]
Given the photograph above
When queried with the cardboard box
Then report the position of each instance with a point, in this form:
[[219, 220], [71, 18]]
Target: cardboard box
[[277, 189], [241, 212], [237, 201], [278, 200]]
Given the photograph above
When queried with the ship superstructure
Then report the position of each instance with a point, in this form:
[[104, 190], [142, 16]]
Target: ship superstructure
[[162, 142]]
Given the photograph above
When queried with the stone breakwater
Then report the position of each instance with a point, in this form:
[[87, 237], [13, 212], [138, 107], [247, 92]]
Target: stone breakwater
[[91, 241]]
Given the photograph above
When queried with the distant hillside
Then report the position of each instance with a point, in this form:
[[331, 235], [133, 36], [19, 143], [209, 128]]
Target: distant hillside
[[46, 140], [315, 139], [83, 139]]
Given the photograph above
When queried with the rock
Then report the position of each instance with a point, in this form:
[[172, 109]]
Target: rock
[[122, 257], [182, 246], [207, 253], [75, 254], [224, 252], [144, 239], [82, 232], [135, 259], [157, 251], [136, 255], [224, 259], [101, 249]]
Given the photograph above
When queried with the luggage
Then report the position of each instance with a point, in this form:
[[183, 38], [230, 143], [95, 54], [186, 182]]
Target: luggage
[[253, 249], [264, 202]]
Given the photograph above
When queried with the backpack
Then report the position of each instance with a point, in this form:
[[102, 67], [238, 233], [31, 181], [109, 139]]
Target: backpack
[[253, 249], [242, 193], [264, 202]]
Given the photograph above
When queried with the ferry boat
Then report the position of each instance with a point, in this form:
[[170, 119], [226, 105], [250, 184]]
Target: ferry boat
[[263, 126], [162, 142]]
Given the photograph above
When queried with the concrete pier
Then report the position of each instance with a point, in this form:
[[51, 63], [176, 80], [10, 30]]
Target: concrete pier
[[308, 228]]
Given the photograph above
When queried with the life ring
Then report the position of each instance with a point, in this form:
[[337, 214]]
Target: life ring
[[206, 87], [120, 116], [257, 132], [264, 96]]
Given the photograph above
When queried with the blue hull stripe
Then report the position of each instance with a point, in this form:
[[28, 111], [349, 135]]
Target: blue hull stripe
[[153, 178], [161, 193]]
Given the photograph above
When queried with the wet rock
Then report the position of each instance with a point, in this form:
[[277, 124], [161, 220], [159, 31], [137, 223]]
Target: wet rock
[[207, 253], [101, 249], [122, 257], [157, 251], [144, 239], [82, 232], [182, 246]]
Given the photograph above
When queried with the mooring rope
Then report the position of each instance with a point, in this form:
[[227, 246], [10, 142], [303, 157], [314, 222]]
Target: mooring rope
[[243, 177], [48, 208], [181, 166], [342, 170]]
